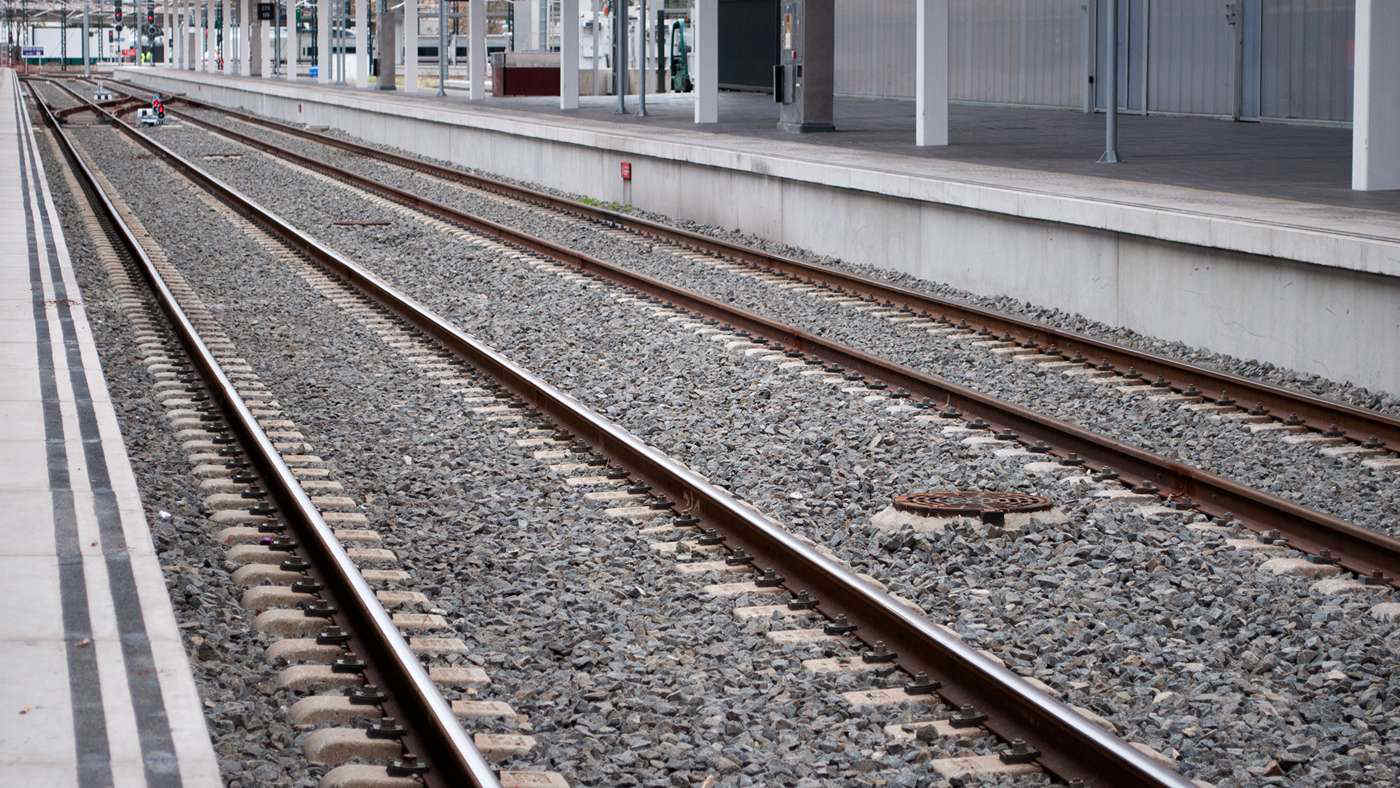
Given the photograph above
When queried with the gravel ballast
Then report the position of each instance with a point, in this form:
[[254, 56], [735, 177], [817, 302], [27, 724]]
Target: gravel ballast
[[1239, 672], [1338, 486], [251, 737], [627, 672], [1386, 402]]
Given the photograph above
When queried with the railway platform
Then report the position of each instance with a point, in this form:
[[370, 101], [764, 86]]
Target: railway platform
[[98, 689], [1256, 250]]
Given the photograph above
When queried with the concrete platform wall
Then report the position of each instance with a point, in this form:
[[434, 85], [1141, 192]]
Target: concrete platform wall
[[1337, 321]]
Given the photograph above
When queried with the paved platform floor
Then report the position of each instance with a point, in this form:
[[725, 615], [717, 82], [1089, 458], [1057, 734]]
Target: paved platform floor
[[97, 689], [1287, 161], [1267, 175]]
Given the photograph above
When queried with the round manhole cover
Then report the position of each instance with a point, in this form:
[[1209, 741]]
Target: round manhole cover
[[948, 503]]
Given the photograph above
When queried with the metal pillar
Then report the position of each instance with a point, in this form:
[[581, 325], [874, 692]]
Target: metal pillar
[[245, 40], [209, 37], [568, 54], [642, 58], [362, 43], [620, 55], [442, 47], [224, 39], [293, 40], [931, 74], [476, 68], [191, 34], [706, 61], [323, 40], [1110, 151], [87, 61], [594, 86], [410, 46], [338, 31]]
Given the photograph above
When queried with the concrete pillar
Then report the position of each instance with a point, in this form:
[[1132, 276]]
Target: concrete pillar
[[293, 45], [323, 40], [245, 40], [931, 73], [476, 68], [539, 23], [180, 37], [410, 46], [267, 48], [386, 50], [208, 41], [167, 30], [706, 61], [362, 43], [568, 54], [524, 12], [1375, 129], [226, 44]]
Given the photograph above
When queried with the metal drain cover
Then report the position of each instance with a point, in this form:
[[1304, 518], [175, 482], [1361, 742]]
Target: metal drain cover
[[950, 503]]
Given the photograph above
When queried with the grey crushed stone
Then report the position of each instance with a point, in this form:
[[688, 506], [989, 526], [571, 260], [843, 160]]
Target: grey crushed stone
[[628, 673], [1337, 486], [247, 724], [1110, 609], [1337, 391]]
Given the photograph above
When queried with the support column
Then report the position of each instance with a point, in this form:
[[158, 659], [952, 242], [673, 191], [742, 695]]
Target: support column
[[931, 73], [1110, 80], [323, 40], [1375, 129], [706, 61], [568, 54], [167, 34], [410, 46], [476, 67], [207, 55], [362, 43], [386, 51], [524, 12], [267, 48], [293, 48], [245, 40], [226, 44]]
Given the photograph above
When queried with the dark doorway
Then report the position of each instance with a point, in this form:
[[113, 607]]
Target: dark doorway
[[748, 44]]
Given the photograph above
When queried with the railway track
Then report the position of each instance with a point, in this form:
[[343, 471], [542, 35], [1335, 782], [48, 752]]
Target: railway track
[[1055, 736], [1364, 551], [238, 438], [1326, 418]]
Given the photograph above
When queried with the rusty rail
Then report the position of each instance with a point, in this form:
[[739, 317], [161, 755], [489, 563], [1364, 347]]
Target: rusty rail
[[1359, 425], [1067, 743], [454, 757], [1361, 550]]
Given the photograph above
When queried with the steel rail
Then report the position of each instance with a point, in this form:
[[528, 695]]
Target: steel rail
[[1069, 745], [1362, 550], [453, 756], [1360, 425]]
